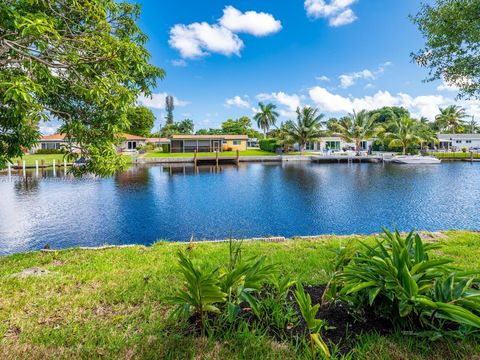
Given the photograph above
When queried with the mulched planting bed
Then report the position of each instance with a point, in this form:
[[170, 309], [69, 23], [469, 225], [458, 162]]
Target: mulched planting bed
[[344, 328]]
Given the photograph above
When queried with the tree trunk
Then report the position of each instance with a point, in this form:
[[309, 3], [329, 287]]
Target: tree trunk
[[404, 150], [302, 148], [357, 145], [264, 133]]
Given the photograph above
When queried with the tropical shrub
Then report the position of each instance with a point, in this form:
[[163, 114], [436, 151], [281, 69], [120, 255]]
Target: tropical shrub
[[314, 325], [201, 291], [50, 151], [270, 145], [399, 273]]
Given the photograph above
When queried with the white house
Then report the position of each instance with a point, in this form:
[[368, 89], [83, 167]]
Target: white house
[[335, 143], [458, 141]]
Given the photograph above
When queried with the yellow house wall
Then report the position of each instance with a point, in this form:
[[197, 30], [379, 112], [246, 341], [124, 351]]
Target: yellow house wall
[[229, 145]]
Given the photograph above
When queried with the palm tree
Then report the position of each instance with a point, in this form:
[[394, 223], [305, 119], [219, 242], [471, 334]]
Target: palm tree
[[266, 117], [451, 118], [404, 132], [356, 127], [307, 128]]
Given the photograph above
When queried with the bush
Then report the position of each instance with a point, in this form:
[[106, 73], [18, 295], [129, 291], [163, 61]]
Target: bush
[[398, 273], [50, 151], [165, 148], [269, 145]]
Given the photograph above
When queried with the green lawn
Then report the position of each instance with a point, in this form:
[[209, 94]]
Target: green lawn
[[454, 155], [112, 304], [30, 159], [160, 154]]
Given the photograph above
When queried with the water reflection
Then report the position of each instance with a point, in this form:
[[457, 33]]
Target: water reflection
[[148, 203]]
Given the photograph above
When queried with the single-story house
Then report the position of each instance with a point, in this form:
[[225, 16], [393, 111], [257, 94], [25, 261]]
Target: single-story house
[[335, 143], [207, 143], [458, 141], [158, 142], [128, 142], [50, 142]]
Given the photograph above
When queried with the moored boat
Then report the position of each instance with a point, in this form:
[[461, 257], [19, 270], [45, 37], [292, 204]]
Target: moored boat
[[406, 159]]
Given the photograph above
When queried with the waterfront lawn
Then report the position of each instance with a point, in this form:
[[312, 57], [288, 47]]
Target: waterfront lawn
[[30, 159], [454, 155], [112, 304], [160, 154]]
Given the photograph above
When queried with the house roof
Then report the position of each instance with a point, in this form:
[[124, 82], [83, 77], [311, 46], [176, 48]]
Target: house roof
[[131, 137], [458, 136], [158, 140], [209, 137], [53, 137]]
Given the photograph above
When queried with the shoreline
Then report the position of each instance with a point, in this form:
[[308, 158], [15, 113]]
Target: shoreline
[[426, 235]]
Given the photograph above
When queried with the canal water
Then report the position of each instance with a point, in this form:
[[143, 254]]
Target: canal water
[[147, 204]]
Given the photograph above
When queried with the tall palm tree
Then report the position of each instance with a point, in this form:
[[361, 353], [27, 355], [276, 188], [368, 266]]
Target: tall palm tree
[[451, 118], [404, 132], [307, 128], [266, 117], [356, 127]]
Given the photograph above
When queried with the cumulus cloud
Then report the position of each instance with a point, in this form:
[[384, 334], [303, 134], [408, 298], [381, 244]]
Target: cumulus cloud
[[290, 101], [338, 12], [250, 22], [199, 39], [157, 101], [237, 101], [348, 80], [423, 105]]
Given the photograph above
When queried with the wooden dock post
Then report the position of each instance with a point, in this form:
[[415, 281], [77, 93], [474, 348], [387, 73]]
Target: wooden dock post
[[216, 159], [19, 164], [471, 156], [43, 163], [238, 157], [195, 157]]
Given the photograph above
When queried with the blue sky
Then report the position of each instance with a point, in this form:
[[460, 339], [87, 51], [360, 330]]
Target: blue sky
[[222, 57]]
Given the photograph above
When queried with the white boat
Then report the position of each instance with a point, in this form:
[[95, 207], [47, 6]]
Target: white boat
[[406, 159]]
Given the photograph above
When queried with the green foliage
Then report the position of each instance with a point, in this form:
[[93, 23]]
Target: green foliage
[[270, 145], [388, 113], [405, 133], [202, 291], [266, 117], [356, 127], [452, 36], [450, 119], [399, 272], [314, 325], [141, 121], [50, 151], [82, 63], [184, 127]]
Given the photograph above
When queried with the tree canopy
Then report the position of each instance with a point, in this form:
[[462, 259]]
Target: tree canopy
[[141, 121], [83, 63], [266, 117], [452, 43]]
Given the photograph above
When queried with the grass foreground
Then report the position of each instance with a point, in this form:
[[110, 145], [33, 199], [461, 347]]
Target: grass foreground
[[111, 303]]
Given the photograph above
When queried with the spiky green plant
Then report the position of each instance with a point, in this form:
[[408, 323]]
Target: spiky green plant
[[201, 291], [314, 325]]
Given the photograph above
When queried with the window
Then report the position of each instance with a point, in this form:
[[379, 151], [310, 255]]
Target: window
[[132, 145], [468, 141], [332, 145], [363, 145], [50, 145], [237, 142], [458, 141], [310, 146]]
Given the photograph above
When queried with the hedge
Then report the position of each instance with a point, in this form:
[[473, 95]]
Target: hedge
[[270, 145]]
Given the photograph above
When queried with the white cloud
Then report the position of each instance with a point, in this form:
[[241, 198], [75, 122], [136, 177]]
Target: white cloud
[[348, 80], [323, 78], [238, 102], [344, 18], [337, 12], [290, 101], [423, 105], [157, 101], [250, 22], [179, 63], [447, 87], [199, 39]]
